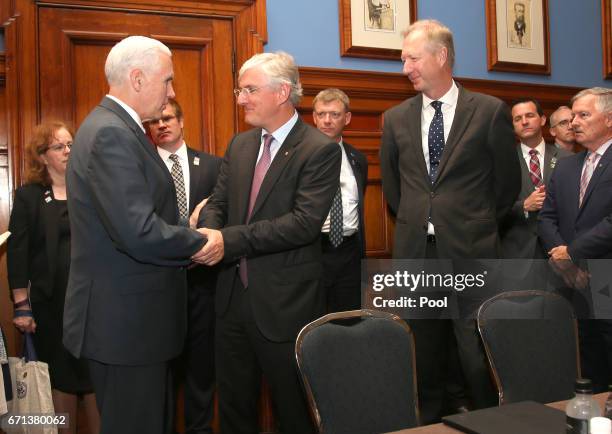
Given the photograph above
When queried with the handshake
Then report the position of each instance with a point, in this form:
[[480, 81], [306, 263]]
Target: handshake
[[212, 251]]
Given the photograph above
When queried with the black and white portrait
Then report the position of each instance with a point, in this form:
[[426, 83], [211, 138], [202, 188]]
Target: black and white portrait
[[519, 23], [379, 15]]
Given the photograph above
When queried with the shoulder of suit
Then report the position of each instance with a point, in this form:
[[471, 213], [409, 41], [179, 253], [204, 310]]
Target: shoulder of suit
[[356, 152], [557, 152], [33, 189], [204, 156], [403, 106], [482, 98]]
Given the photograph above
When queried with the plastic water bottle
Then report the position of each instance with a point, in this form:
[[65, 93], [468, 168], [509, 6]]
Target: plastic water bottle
[[582, 408]]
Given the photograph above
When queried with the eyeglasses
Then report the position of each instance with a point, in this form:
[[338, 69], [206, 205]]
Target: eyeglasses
[[564, 123], [60, 147], [164, 119], [334, 115], [247, 91]]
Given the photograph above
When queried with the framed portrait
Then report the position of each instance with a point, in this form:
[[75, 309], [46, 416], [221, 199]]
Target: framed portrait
[[606, 36], [517, 36], [373, 28]]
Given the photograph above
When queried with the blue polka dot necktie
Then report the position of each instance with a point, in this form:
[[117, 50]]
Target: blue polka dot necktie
[[435, 139], [335, 220]]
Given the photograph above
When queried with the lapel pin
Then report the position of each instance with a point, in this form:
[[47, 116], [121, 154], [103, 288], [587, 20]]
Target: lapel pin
[[48, 199], [286, 153], [196, 161]]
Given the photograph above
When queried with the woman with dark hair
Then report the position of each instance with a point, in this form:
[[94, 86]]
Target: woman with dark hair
[[38, 258]]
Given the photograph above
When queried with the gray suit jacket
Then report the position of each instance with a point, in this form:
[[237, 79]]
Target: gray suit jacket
[[478, 178], [126, 298], [281, 241], [520, 241]]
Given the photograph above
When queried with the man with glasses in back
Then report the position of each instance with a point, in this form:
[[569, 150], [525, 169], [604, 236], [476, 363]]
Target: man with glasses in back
[[275, 188], [561, 128], [343, 235]]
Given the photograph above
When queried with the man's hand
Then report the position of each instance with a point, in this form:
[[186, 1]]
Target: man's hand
[[535, 200], [25, 324], [573, 276], [559, 253], [193, 218], [214, 249]]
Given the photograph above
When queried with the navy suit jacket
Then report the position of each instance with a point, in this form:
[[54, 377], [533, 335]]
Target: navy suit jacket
[[586, 230], [359, 164]]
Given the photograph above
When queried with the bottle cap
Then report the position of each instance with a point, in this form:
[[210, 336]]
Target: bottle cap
[[583, 385], [600, 425]]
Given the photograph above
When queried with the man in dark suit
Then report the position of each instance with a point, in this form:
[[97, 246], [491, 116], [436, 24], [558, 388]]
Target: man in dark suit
[[199, 175], [343, 234], [275, 188], [126, 299], [537, 160], [450, 173], [575, 223]]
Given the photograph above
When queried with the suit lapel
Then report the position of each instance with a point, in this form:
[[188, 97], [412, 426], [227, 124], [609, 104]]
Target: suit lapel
[[463, 114], [247, 152], [550, 161], [526, 179], [602, 164], [194, 178], [51, 225], [574, 184], [413, 119], [282, 157], [350, 154]]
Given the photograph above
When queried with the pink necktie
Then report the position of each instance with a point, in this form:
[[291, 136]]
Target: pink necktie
[[587, 172], [260, 172]]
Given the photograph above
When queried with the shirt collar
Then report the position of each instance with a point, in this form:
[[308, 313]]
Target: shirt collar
[[603, 148], [181, 152], [281, 133], [449, 98], [541, 148], [129, 110]]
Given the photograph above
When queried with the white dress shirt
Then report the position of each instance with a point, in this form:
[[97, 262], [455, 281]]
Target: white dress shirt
[[279, 137], [541, 148], [449, 105], [350, 198]]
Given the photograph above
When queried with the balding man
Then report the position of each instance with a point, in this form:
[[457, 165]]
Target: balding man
[[126, 299], [561, 128]]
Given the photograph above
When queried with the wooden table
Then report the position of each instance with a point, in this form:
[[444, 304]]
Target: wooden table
[[440, 428]]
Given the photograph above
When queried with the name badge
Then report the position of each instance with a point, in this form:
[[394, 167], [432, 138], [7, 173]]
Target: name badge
[[196, 161]]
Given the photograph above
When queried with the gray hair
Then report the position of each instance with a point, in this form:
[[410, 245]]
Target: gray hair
[[604, 98], [130, 53], [332, 94], [280, 68], [553, 115], [438, 36]]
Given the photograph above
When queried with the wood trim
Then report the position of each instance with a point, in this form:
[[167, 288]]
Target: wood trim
[[2, 68], [493, 62], [606, 37]]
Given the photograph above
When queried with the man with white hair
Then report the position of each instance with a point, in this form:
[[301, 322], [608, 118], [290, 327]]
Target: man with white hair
[[125, 307], [575, 222], [275, 187]]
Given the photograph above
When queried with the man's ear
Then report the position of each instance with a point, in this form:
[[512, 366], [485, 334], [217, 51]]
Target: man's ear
[[136, 79], [284, 91]]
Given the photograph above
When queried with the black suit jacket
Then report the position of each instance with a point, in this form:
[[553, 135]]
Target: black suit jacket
[[359, 164], [202, 180], [282, 239], [32, 246], [520, 239], [126, 296], [477, 183], [586, 230]]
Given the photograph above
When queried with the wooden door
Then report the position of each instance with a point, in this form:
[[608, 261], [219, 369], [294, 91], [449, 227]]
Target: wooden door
[[74, 44]]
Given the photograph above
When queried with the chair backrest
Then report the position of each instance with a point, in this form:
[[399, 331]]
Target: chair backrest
[[359, 372], [531, 341]]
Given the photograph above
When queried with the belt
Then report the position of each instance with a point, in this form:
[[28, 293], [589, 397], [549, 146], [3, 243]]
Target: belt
[[431, 239], [325, 238]]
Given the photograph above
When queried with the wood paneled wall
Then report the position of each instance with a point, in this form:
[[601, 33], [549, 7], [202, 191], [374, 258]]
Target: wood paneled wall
[[372, 93]]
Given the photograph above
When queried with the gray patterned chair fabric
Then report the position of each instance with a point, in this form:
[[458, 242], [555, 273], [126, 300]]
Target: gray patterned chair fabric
[[358, 370], [531, 341]]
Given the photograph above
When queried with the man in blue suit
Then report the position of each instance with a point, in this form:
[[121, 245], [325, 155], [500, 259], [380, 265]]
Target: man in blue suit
[[575, 223]]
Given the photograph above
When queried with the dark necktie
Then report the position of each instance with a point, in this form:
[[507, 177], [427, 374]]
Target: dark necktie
[[179, 185], [435, 138], [260, 172], [335, 220], [534, 168]]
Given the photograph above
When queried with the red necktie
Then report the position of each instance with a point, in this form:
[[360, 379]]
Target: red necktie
[[534, 168], [260, 172]]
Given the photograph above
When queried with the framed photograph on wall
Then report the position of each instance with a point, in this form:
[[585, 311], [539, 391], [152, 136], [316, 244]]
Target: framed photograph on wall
[[606, 36], [373, 28], [517, 36]]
